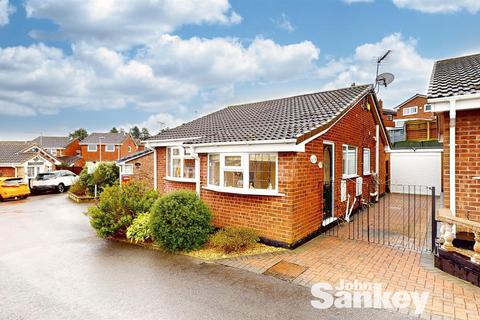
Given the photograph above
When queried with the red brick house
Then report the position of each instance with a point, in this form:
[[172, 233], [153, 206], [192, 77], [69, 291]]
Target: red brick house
[[107, 147], [137, 166], [283, 167], [415, 119], [66, 150], [454, 94]]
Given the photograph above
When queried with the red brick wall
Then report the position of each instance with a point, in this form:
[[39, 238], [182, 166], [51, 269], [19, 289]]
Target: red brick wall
[[109, 156], [144, 170], [71, 148], [7, 172], [467, 163], [420, 102], [298, 212]]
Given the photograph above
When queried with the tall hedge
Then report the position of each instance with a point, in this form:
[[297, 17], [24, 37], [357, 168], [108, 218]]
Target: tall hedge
[[180, 221]]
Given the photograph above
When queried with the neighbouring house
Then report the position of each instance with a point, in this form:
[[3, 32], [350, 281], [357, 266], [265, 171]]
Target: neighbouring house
[[66, 150], [24, 159], [284, 167], [107, 147], [414, 121], [454, 94], [388, 115], [137, 166]]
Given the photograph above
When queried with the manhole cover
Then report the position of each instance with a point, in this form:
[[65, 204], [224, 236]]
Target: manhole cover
[[285, 270]]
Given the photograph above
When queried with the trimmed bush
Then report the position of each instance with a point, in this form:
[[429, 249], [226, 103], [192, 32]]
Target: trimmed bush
[[78, 189], [180, 221], [118, 206], [139, 230], [105, 174], [234, 239]]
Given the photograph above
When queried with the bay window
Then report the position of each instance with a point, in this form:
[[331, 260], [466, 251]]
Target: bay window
[[180, 163], [349, 161], [245, 172]]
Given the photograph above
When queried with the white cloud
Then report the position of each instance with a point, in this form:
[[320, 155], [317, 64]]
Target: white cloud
[[6, 9], [437, 6], [284, 23], [222, 61], [433, 6], [126, 23], [411, 70], [156, 122]]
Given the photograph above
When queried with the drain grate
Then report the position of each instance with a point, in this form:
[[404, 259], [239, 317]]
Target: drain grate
[[285, 270]]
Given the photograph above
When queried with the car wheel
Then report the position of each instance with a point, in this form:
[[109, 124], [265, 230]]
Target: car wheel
[[61, 188], [1, 199]]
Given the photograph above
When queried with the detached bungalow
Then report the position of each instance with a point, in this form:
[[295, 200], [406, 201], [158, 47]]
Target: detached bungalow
[[278, 166]]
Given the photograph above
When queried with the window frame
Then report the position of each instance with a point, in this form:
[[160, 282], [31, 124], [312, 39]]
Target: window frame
[[92, 145], [169, 164], [125, 166], [429, 107], [368, 171], [409, 113], [109, 145], [345, 173], [245, 169]]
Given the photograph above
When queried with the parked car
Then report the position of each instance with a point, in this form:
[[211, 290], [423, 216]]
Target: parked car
[[58, 181], [13, 188]]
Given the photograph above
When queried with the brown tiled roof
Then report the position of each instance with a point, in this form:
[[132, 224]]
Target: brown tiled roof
[[107, 138], [135, 155], [69, 160], [456, 76], [49, 142], [11, 152], [279, 119]]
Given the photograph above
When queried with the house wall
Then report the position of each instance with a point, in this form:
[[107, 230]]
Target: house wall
[[143, 169], [467, 163], [420, 102], [388, 123], [7, 172], [109, 156], [72, 148], [297, 213]]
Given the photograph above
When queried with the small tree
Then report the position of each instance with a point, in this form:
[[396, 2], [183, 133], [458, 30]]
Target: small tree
[[135, 132], [79, 133], [105, 174], [113, 130], [144, 135]]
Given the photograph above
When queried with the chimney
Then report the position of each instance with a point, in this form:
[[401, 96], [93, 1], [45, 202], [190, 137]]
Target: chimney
[[380, 105]]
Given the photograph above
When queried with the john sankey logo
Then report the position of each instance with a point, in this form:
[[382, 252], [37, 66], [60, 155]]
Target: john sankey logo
[[356, 294]]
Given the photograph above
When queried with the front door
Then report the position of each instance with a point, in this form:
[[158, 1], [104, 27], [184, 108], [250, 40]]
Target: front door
[[327, 181]]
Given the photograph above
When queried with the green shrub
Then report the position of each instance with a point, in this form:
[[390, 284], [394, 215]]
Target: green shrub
[[105, 174], [180, 221], [118, 206], [139, 230], [78, 189], [234, 239]]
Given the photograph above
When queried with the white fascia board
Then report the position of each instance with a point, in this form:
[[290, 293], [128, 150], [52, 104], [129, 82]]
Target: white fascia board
[[167, 142], [270, 147], [463, 102], [415, 150]]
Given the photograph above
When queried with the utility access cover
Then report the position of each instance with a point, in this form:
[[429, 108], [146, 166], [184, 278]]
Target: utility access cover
[[285, 270]]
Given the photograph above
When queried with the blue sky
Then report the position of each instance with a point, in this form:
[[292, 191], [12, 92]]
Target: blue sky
[[99, 64]]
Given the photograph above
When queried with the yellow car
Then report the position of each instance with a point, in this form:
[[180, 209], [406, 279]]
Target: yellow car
[[13, 188]]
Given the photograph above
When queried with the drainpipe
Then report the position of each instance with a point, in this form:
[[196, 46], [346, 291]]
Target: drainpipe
[[453, 116], [197, 170], [377, 158], [155, 168]]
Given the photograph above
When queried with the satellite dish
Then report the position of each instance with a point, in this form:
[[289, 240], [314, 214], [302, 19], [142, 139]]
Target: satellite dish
[[385, 79]]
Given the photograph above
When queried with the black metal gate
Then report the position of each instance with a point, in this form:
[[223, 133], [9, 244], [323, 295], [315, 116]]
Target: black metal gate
[[404, 219]]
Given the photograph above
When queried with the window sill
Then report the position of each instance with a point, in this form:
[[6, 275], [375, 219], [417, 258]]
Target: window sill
[[351, 176], [188, 180], [367, 174], [253, 192]]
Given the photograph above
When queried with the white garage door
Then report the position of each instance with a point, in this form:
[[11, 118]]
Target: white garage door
[[415, 168]]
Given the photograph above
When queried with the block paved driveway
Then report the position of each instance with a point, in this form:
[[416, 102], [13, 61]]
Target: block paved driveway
[[330, 259]]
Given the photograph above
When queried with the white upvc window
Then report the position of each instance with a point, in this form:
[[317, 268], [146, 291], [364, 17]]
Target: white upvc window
[[250, 173], [427, 108], [110, 148], [180, 163], [410, 110], [349, 161], [128, 169], [92, 148], [366, 161]]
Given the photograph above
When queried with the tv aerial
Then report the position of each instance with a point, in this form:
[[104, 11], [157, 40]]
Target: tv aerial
[[386, 78]]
